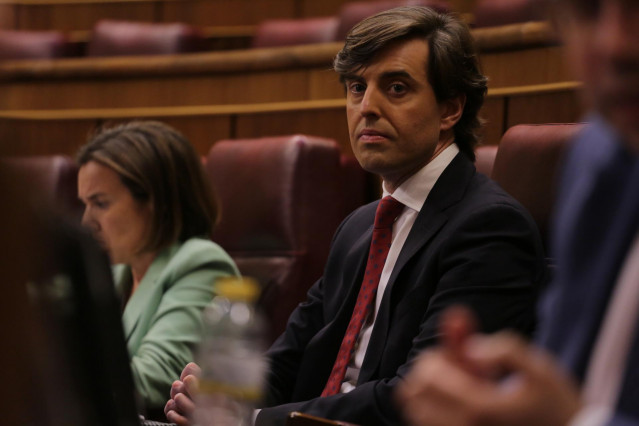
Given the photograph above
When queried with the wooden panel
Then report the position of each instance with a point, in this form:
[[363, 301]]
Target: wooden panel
[[76, 85], [203, 131], [82, 16], [238, 88], [554, 107], [524, 67], [328, 123], [237, 77], [226, 12], [7, 17], [231, 77], [44, 137], [65, 136], [228, 37], [324, 84], [62, 131], [493, 114], [310, 8]]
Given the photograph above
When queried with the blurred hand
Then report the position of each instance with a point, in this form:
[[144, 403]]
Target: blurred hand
[[474, 380], [179, 409]]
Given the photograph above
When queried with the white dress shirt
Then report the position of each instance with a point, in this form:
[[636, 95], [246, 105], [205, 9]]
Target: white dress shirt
[[412, 193], [605, 372]]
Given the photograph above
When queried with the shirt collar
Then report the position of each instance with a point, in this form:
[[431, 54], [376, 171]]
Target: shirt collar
[[414, 191]]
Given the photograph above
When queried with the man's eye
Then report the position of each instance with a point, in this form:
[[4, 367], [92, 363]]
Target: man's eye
[[397, 88], [356, 87]]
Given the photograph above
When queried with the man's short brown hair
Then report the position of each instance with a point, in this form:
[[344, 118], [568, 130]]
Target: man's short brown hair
[[453, 66], [159, 166]]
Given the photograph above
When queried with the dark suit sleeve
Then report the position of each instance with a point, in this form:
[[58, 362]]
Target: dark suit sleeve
[[491, 260], [494, 263], [286, 353]]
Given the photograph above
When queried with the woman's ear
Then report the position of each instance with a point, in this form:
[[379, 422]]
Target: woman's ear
[[451, 111]]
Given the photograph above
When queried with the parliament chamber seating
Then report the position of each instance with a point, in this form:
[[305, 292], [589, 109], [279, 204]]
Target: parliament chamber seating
[[489, 13], [16, 44], [126, 38], [485, 158], [281, 200], [527, 165], [53, 180], [290, 32], [353, 12]]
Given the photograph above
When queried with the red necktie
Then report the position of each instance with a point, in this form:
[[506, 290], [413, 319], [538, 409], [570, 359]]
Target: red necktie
[[387, 211]]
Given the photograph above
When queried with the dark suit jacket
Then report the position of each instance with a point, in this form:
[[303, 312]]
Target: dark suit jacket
[[596, 221], [471, 244]]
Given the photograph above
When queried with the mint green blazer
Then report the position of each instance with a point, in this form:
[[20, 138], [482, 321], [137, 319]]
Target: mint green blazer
[[163, 318]]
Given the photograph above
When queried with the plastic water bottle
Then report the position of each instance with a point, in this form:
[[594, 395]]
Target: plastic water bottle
[[231, 356]]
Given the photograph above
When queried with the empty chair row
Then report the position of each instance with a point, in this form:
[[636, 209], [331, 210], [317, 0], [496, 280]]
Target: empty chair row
[[108, 38], [115, 38]]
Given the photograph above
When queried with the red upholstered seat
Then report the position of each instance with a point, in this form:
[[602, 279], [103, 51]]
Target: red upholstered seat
[[118, 38], [289, 32], [527, 163], [351, 13], [281, 199], [485, 158], [501, 12], [33, 45]]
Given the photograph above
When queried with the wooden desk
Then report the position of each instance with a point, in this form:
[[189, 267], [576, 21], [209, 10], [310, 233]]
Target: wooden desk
[[33, 132], [514, 55], [231, 77]]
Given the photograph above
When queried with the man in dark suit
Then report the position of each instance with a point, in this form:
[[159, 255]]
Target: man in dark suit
[[413, 91], [589, 315]]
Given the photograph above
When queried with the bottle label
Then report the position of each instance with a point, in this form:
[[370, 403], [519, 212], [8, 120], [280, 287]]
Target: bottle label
[[238, 374]]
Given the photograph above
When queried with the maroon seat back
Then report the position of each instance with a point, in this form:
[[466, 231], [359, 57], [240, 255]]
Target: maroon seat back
[[489, 13], [485, 159], [527, 163], [54, 180], [353, 12], [281, 200], [121, 38], [289, 32], [33, 45]]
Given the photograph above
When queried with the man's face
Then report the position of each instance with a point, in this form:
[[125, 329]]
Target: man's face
[[602, 42], [395, 123]]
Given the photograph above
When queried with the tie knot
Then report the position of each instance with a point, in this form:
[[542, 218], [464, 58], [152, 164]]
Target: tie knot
[[387, 211]]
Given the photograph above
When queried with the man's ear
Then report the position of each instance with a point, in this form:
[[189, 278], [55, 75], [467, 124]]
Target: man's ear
[[451, 111]]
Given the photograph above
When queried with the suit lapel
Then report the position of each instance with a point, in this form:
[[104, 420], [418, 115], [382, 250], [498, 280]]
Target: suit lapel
[[143, 296], [448, 190]]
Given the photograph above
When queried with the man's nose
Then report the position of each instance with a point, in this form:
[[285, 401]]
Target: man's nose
[[370, 105]]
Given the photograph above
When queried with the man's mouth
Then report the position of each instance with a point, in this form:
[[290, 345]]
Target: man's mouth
[[371, 135]]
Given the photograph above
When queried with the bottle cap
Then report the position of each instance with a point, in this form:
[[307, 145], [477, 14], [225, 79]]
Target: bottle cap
[[238, 288]]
